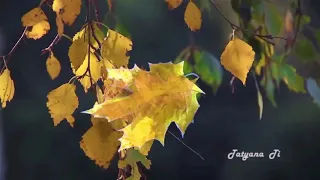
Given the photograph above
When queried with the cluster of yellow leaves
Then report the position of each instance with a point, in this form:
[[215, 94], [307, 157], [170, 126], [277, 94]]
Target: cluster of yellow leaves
[[157, 98], [192, 14], [6, 88], [36, 23]]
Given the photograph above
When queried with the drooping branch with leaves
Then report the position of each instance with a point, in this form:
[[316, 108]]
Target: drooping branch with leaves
[[134, 107]]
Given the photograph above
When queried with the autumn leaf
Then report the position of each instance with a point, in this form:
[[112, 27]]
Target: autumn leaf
[[6, 88], [37, 23], [132, 158], [77, 53], [237, 58], [67, 9], [53, 66], [158, 98], [62, 102], [38, 30], [95, 71], [192, 16], [115, 48], [172, 4], [100, 143], [33, 17]]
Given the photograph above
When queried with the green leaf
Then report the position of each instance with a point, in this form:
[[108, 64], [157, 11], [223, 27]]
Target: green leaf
[[313, 90], [294, 81], [267, 83], [305, 50], [120, 28], [209, 69], [273, 19], [260, 103]]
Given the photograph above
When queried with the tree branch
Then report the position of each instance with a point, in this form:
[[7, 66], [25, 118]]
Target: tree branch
[[266, 38], [7, 56]]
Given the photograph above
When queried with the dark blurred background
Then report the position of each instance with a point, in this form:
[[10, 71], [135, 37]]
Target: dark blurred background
[[33, 149]]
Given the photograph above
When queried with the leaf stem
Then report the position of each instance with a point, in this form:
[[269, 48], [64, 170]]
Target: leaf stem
[[7, 56]]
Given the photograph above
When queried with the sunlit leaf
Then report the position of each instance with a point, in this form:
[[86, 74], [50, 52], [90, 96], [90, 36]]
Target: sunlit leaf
[[62, 102], [237, 58], [192, 16], [33, 17], [100, 143], [7, 88], [92, 75], [158, 98], [115, 48], [172, 4], [67, 9], [53, 66]]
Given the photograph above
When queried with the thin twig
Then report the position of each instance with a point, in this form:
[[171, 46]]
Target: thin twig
[[186, 145], [266, 38], [89, 40], [54, 42], [96, 10], [7, 56]]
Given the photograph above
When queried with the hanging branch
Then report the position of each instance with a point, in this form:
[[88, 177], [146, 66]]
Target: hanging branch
[[6, 58], [266, 37]]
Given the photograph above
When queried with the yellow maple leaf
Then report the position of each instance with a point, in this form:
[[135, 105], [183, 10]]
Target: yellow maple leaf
[[67, 9], [192, 16], [33, 17], [62, 102], [237, 58], [53, 66], [154, 103], [6, 88], [60, 25], [100, 143], [93, 75], [115, 47], [172, 4]]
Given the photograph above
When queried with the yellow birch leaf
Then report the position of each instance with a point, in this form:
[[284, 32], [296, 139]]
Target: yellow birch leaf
[[192, 16], [67, 9], [38, 30], [77, 53], [62, 102], [6, 88], [93, 75], [60, 25], [100, 143], [115, 47], [172, 4], [53, 66], [237, 58], [33, 17], [153, 105]]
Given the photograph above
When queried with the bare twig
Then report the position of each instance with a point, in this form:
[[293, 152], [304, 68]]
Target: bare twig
[[49, 48], [266, 38], [7, 56], [96, 10]]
